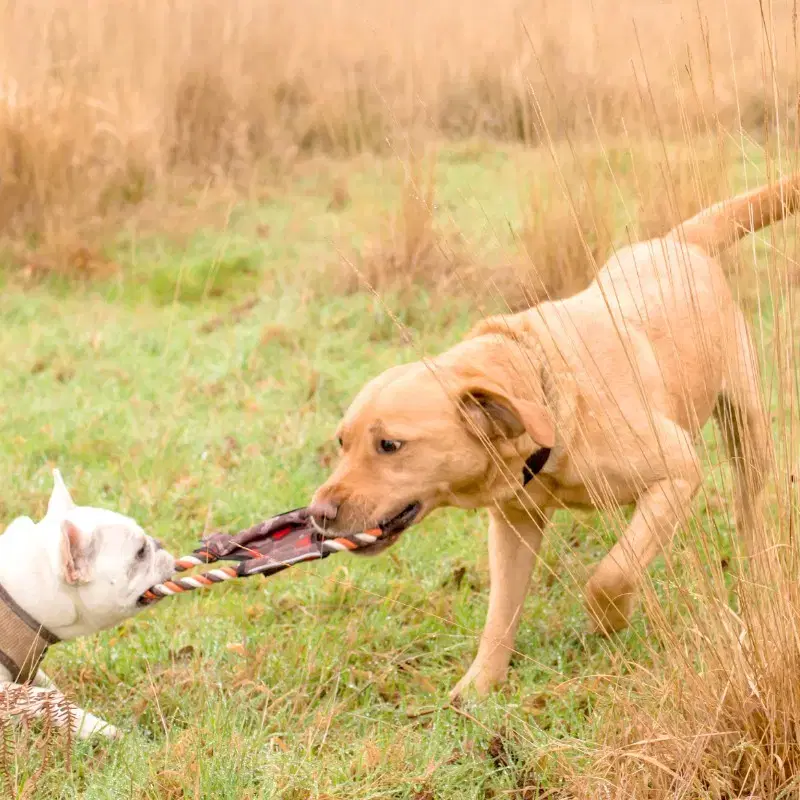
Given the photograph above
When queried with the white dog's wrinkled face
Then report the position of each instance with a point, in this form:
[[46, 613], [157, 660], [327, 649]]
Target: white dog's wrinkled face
[[107, 561]]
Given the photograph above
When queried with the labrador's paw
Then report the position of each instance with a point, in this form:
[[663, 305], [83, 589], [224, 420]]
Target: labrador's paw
[[610, 606], [478, 681]]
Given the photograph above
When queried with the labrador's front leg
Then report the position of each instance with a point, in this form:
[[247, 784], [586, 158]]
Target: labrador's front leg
[[660, 511], [514, 538]]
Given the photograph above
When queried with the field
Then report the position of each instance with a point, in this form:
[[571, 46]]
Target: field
[[191, 294]]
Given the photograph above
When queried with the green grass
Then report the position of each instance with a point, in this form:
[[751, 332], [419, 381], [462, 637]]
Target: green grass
[[329, 680]]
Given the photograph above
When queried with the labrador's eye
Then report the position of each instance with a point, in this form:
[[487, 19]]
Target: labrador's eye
[[141, 552], [341, 442], [389, 446]]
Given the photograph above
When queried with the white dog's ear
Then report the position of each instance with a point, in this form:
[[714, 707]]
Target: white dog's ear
[[60, 501], [76, 554]]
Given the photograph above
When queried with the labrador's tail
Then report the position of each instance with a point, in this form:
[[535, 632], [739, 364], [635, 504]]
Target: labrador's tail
[[723, 224]]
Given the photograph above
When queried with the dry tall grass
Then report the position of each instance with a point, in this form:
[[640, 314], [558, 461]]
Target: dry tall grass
[[412, 252], [585, 202], [719, 715], [102, 103]]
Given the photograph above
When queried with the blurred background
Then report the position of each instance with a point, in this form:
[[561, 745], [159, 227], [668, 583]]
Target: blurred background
[[104, 107]]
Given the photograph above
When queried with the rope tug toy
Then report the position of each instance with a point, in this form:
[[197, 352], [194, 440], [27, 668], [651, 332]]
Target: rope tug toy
[[265, 549]]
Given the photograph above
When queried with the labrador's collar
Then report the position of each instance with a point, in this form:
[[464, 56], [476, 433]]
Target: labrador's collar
[[534, 464]]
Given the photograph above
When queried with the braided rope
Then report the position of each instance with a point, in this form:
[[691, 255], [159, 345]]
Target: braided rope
[[181, 585], [190, 562], [220, 575]]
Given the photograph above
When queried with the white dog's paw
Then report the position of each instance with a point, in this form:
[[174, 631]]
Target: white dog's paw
[[89, 725]]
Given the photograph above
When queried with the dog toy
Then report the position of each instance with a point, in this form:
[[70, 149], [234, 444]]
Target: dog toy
[[265, 549]]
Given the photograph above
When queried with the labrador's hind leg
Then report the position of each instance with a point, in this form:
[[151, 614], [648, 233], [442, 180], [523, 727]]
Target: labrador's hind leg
[[743, 422]]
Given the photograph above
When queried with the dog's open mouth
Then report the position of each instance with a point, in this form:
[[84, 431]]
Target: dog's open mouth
[[399, 522], [392, 528]]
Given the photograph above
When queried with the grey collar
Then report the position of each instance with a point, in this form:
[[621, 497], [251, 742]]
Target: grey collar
[[23, 641]]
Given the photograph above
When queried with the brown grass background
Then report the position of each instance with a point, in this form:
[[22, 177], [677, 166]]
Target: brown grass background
[[105, 104]]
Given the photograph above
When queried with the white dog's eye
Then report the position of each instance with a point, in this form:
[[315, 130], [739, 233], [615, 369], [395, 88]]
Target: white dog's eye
[[141, 552], [389, 445]]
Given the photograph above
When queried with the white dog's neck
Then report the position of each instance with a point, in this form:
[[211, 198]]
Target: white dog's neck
[[30, 573]]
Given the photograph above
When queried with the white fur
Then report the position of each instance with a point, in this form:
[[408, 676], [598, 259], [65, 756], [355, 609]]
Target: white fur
[[117, 561]]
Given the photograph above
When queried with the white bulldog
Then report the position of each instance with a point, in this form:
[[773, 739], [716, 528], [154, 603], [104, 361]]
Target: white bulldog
[[78, 571]]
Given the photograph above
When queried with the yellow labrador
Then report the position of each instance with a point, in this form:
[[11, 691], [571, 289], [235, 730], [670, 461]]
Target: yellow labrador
[[593, 401]]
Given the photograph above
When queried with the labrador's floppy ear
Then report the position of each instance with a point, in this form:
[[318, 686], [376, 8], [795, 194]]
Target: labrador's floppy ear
[[497, 415], [76, 554], [60, 501]]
